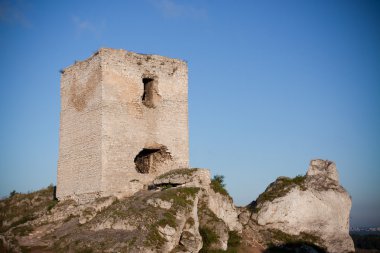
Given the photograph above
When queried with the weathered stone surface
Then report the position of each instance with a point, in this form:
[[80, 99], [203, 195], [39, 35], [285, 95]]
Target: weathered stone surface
[[210, 223], [221, 205], [224, 209], [173, 215], [323, 168], [191, 239], [124, 120], [185, 177], [159, 203], [318, 206], [166, 218]]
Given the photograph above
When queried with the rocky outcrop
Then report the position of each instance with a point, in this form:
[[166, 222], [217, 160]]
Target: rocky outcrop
[[185, 211], [221, 204], [315, 207], [168, 217], [184, 178], [223, 207]]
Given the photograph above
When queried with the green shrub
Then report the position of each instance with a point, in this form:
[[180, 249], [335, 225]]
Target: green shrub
[[84, 250], [218, 185], [52, 204], [179, 196], [302, 238], [208, 238], [234, 239], [167, 219], [12, 193], [23, 230], [22, 220]]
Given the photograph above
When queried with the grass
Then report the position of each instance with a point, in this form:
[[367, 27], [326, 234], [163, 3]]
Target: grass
[[146, 218], [132, 241], [52, 204], [208, 237], [89, 211], [24, 249], [205, 211], [181, 197], [302, 238], [280, 188], [154, 238], [22, 220], [167, 219], [167, 186], [190, 221], [208, 221], [133, 211], [22, 230], [23, 207], [84, 250], [234, 239]]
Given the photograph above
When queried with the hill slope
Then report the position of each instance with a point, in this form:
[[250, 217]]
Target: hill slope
[[185, 211]]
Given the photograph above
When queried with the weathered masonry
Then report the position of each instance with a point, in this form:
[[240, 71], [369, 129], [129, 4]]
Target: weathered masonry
[[124, 120]]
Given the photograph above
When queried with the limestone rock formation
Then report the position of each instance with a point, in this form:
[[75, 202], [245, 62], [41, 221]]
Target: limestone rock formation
[[184, 178], [168, 217], [314, 204], [184, 210]]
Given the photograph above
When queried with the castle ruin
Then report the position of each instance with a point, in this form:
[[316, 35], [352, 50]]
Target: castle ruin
[[124, 121]]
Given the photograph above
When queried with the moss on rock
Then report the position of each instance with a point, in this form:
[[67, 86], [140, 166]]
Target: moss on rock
[[280, 188]]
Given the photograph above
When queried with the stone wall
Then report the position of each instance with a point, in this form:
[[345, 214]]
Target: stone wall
[[124, 104], [80, 161]]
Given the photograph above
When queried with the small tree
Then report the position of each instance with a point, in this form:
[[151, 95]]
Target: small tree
[[220, 180], [218, 185], [12, 193]]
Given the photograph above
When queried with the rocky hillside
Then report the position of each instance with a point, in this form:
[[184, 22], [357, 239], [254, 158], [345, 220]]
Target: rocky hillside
[[185, 211], [311, 210]]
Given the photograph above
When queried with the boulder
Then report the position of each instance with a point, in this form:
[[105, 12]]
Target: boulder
[[220, 204], [183, 177], [314, 204], [223, 207]]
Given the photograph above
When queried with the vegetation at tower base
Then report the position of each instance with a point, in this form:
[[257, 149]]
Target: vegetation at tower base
[[183, 210], [20, 208]]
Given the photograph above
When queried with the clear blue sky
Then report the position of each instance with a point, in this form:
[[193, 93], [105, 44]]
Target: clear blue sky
[[272, 85]]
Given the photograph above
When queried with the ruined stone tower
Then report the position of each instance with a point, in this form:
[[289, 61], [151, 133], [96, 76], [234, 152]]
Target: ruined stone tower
[[124, 120]]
